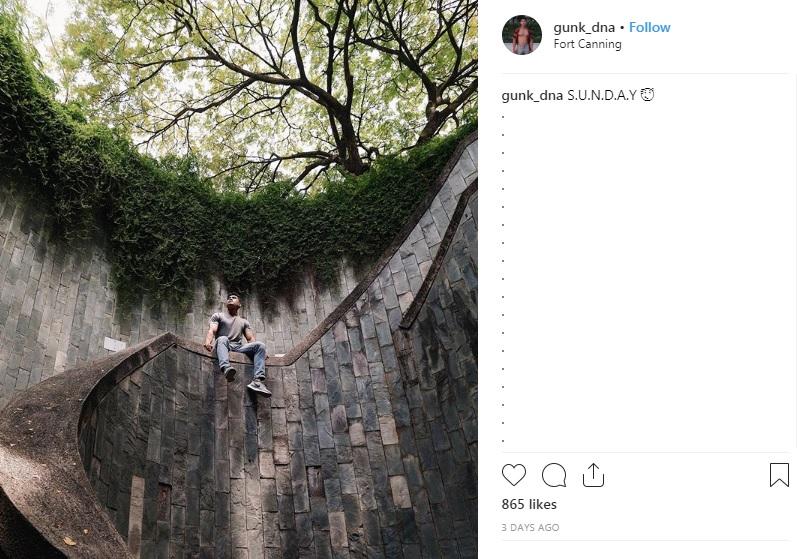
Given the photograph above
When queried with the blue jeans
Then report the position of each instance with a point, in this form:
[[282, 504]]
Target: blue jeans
[[255, 350]]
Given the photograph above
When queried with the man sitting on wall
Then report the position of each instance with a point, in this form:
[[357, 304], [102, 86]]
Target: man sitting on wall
[[229, 329]]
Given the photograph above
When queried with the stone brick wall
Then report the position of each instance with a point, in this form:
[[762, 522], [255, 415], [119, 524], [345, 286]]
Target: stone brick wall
[[366, 449], [57, 304]]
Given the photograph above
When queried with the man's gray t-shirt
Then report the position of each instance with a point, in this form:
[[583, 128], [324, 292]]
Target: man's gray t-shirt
[[231, 326]]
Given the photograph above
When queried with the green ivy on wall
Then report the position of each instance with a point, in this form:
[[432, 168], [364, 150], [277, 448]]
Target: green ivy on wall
[[167, 226]]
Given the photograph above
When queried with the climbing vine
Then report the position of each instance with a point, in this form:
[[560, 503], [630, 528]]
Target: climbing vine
[[165, 223]]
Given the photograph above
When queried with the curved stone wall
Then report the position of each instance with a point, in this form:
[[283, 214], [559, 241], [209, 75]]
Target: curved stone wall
[[354, 455], [57, 305], [169, 452], [366, 449]]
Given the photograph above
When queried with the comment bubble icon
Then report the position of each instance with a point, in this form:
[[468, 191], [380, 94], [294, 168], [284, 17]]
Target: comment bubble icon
[[554, 475]]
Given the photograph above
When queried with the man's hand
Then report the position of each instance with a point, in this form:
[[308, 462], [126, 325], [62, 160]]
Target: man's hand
[[208, 346]]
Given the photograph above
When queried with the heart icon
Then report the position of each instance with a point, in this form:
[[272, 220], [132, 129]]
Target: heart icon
[[513, 473]]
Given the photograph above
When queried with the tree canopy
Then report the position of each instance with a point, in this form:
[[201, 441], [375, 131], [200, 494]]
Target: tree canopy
[[165, 225], [266, 90]]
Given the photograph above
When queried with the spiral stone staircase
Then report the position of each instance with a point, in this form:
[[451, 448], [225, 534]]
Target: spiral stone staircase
[[366, 449]]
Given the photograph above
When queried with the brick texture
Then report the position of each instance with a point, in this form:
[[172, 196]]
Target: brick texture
[[366, 449]]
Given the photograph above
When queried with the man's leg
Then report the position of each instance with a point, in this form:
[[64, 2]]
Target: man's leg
[[257, 352], [223, 354]]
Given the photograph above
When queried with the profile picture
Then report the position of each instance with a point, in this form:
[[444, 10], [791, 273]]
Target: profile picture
[[522, 34]]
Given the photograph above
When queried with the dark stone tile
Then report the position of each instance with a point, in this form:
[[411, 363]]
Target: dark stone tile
[[299, 482], [290, 544], [271, 532], [392, 542], [304, 530], [348, 481], [334, 497], [370, 417], [319, 513], [393, 460], [315, 484], [407, 526], [268, 495], [286, 512], [343, 448]]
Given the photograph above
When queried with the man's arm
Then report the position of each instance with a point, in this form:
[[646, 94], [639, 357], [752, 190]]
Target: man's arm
[[249, 334], [214, 326]]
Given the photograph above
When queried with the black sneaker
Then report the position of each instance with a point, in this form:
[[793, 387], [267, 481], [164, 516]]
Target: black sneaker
[[229, 373], [258, 385]]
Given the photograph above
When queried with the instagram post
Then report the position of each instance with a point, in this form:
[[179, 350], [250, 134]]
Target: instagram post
[[241, 306]]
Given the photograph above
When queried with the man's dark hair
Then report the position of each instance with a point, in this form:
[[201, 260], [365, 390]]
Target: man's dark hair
[[233, 295]]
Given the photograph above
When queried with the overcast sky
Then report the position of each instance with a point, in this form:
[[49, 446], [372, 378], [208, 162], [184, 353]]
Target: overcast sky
[[54, 12]]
